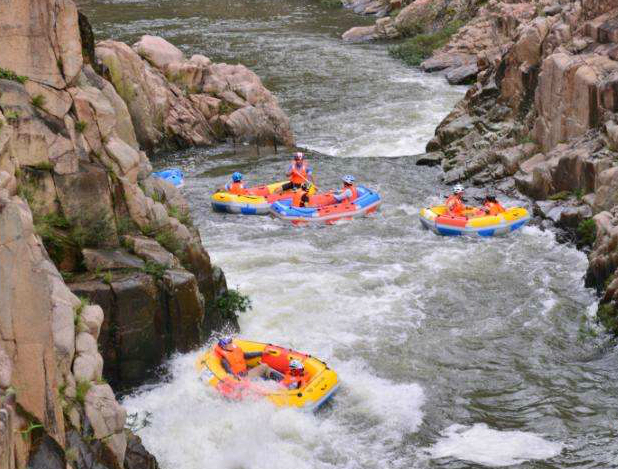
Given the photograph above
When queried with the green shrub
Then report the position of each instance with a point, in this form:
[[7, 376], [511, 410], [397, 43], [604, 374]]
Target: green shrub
[[81, 390], [44, 166], [52, 228], [92, 231], [183, 216], [10, 75], [233, 302], [562, 195], [80, 126], [331, 3], [155, 269], [169, 241], [608, 317], [587, 232], [11, 115], [420, 47], [38, 101]]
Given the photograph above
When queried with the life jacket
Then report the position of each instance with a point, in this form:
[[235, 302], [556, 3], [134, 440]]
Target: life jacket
[[454, 205], [294, 381], [297, 198], [493, 208], [237, 188], [299, 175], [354, 194], [235, 358]]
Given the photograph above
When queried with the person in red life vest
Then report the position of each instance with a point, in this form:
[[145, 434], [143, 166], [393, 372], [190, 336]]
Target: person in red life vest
[[301, 196], [454, 204], [491, 206], [297, 377], [236, 186], [299, 172], [349, 193], [234, 360]]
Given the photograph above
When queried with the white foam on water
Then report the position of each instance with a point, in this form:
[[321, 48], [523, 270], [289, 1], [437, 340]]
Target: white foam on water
[[493, 448]]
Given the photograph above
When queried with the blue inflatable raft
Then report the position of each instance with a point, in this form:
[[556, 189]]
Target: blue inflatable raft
[[172, 175]]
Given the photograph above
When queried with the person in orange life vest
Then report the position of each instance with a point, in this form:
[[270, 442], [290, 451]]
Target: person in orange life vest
[[349, 193], [297, 377], [301, 196], [236, 186], [234, 360], [491, 206], [299, 172], [454, 204]]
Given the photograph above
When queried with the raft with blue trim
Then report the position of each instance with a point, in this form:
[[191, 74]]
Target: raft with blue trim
[[257, 202], [172, 175], [367, 202], [320, 387], [436, 219]]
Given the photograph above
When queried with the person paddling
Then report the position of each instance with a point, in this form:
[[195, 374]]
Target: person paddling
[[454, 204], [236, 186], [234, 361], [348, 193], [491, 206], [298, 173]]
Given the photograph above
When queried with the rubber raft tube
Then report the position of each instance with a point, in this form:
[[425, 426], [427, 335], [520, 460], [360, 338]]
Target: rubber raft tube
[[366, 202], [435, 219], [172, 175], [320, 387], [257, 202]]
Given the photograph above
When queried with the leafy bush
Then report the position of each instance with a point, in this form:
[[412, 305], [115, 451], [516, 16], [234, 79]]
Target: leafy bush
[[81, 390], [331, 3], [608, 316], [80, 126], [92, 231], [10, 75], [233, 302], [587, 232], [155, 269], [38, 101], [420, 47], [169, 241]]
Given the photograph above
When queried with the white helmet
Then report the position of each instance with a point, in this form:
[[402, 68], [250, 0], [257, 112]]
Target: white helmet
[[458, 189], [348, 179], [299, 155], [296, 365]]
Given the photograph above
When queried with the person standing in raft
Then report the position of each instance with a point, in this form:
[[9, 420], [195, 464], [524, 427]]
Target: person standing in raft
[[299, 172], [491, 206], [236, 186], [454, 204], [234, 361], [348, 193]]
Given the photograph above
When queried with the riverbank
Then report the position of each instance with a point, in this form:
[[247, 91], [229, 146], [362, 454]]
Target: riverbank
[[103, 273]]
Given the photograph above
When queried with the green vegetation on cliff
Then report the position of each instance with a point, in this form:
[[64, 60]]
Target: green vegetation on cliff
[[10, 75], [420, 47]]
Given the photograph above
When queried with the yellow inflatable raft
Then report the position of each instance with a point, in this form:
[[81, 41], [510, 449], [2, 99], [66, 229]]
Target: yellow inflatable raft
[[320, 385], [257, 201], [436, 219]]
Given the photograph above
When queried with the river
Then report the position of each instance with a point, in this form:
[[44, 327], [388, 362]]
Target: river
[[452, 353]]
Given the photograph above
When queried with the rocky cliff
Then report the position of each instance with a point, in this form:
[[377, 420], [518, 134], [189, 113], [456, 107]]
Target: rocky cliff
[[541, 118], [102, 273]]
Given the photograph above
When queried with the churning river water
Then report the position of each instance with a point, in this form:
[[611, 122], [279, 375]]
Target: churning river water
[[452, 353]]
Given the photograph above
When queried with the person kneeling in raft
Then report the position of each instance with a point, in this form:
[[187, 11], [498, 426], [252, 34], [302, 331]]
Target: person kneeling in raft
[[347, 194], [234, 361], [236, 186], [491, 206]]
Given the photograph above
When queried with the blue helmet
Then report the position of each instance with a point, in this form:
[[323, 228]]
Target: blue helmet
[[348, 179], [236, 177], [223, 343]]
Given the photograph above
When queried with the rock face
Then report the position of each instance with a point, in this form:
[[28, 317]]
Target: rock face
[[78, 204], [542, 119], [178, 102]]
